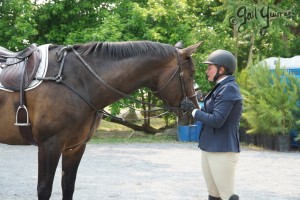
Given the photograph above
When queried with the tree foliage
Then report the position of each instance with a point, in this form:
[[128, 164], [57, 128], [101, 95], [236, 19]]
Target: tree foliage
[[17, 24], [271, 100], [167, 21]]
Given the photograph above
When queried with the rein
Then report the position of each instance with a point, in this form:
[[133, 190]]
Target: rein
[[100, 112], [122, 93], [58, 78]]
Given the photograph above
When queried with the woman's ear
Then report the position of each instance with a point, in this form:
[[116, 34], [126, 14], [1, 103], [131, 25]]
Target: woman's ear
[[222, 70]]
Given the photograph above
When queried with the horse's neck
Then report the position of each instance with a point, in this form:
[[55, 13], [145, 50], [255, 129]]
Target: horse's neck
[[128, 76]]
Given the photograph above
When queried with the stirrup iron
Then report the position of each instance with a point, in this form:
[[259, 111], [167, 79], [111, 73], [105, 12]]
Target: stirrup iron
[[22, 110]]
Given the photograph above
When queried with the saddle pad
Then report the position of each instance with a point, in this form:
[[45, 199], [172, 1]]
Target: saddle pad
[[41, 72]]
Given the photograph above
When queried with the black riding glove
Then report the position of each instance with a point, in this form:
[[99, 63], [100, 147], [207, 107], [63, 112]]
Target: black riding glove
[[187, 105]]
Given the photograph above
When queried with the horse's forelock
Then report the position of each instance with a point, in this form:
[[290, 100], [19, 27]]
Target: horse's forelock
[[118, 50]]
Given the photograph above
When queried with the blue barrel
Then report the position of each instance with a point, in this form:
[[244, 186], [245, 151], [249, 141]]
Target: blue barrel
[[194, 134], [183, 133]]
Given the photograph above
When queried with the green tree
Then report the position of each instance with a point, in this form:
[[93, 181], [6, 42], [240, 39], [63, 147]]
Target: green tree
[[262, 27], [270, 100], [17, 24], [154, 20], [77, 21]]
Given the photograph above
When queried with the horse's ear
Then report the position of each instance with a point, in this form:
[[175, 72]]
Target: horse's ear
[[188, 51]]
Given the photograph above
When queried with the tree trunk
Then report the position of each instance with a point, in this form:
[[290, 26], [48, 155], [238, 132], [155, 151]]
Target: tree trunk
[[146, 129], [235, 36], [148, 109], [252, 39]]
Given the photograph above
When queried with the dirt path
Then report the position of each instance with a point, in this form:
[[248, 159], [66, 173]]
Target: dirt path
[[170, 171]]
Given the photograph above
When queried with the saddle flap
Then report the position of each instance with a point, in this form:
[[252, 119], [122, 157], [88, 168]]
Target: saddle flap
[[11, 75]]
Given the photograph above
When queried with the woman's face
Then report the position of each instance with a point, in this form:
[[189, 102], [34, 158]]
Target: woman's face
[[211, 72]]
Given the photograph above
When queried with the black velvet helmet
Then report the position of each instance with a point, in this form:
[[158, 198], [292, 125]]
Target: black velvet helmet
[[222, 58]]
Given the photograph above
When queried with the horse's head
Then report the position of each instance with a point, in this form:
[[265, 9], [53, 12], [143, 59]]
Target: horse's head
[[177, 83]]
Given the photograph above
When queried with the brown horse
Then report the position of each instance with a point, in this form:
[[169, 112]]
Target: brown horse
[[65, 110]]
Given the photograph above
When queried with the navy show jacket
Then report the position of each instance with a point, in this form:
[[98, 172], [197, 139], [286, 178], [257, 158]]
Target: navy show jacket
[[221, 117]]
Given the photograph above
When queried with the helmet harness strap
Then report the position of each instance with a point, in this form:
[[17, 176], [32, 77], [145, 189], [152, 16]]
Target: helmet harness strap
[[217, 74]]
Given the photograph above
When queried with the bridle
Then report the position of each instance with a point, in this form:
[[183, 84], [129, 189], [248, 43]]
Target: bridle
[[181, 78], [100, 112]]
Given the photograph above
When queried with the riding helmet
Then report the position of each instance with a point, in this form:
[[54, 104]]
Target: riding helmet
[[222, 58]]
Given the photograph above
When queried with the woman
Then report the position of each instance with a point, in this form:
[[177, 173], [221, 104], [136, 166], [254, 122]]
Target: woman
[[219, 139]]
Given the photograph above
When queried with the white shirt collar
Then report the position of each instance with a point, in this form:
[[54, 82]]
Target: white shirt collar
[[221, 79]]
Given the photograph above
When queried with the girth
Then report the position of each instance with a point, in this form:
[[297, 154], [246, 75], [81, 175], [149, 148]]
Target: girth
[[18, 71]]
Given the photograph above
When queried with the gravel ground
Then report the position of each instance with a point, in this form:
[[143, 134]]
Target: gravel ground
[[169, 171]]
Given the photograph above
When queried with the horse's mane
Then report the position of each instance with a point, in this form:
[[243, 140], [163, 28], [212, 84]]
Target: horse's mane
[[118, 50]]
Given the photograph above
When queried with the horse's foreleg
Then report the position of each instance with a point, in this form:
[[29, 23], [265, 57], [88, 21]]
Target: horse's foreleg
[[70, 162], [48, 157]]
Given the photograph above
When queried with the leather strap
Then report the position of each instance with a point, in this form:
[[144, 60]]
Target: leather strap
[[22, 118]]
